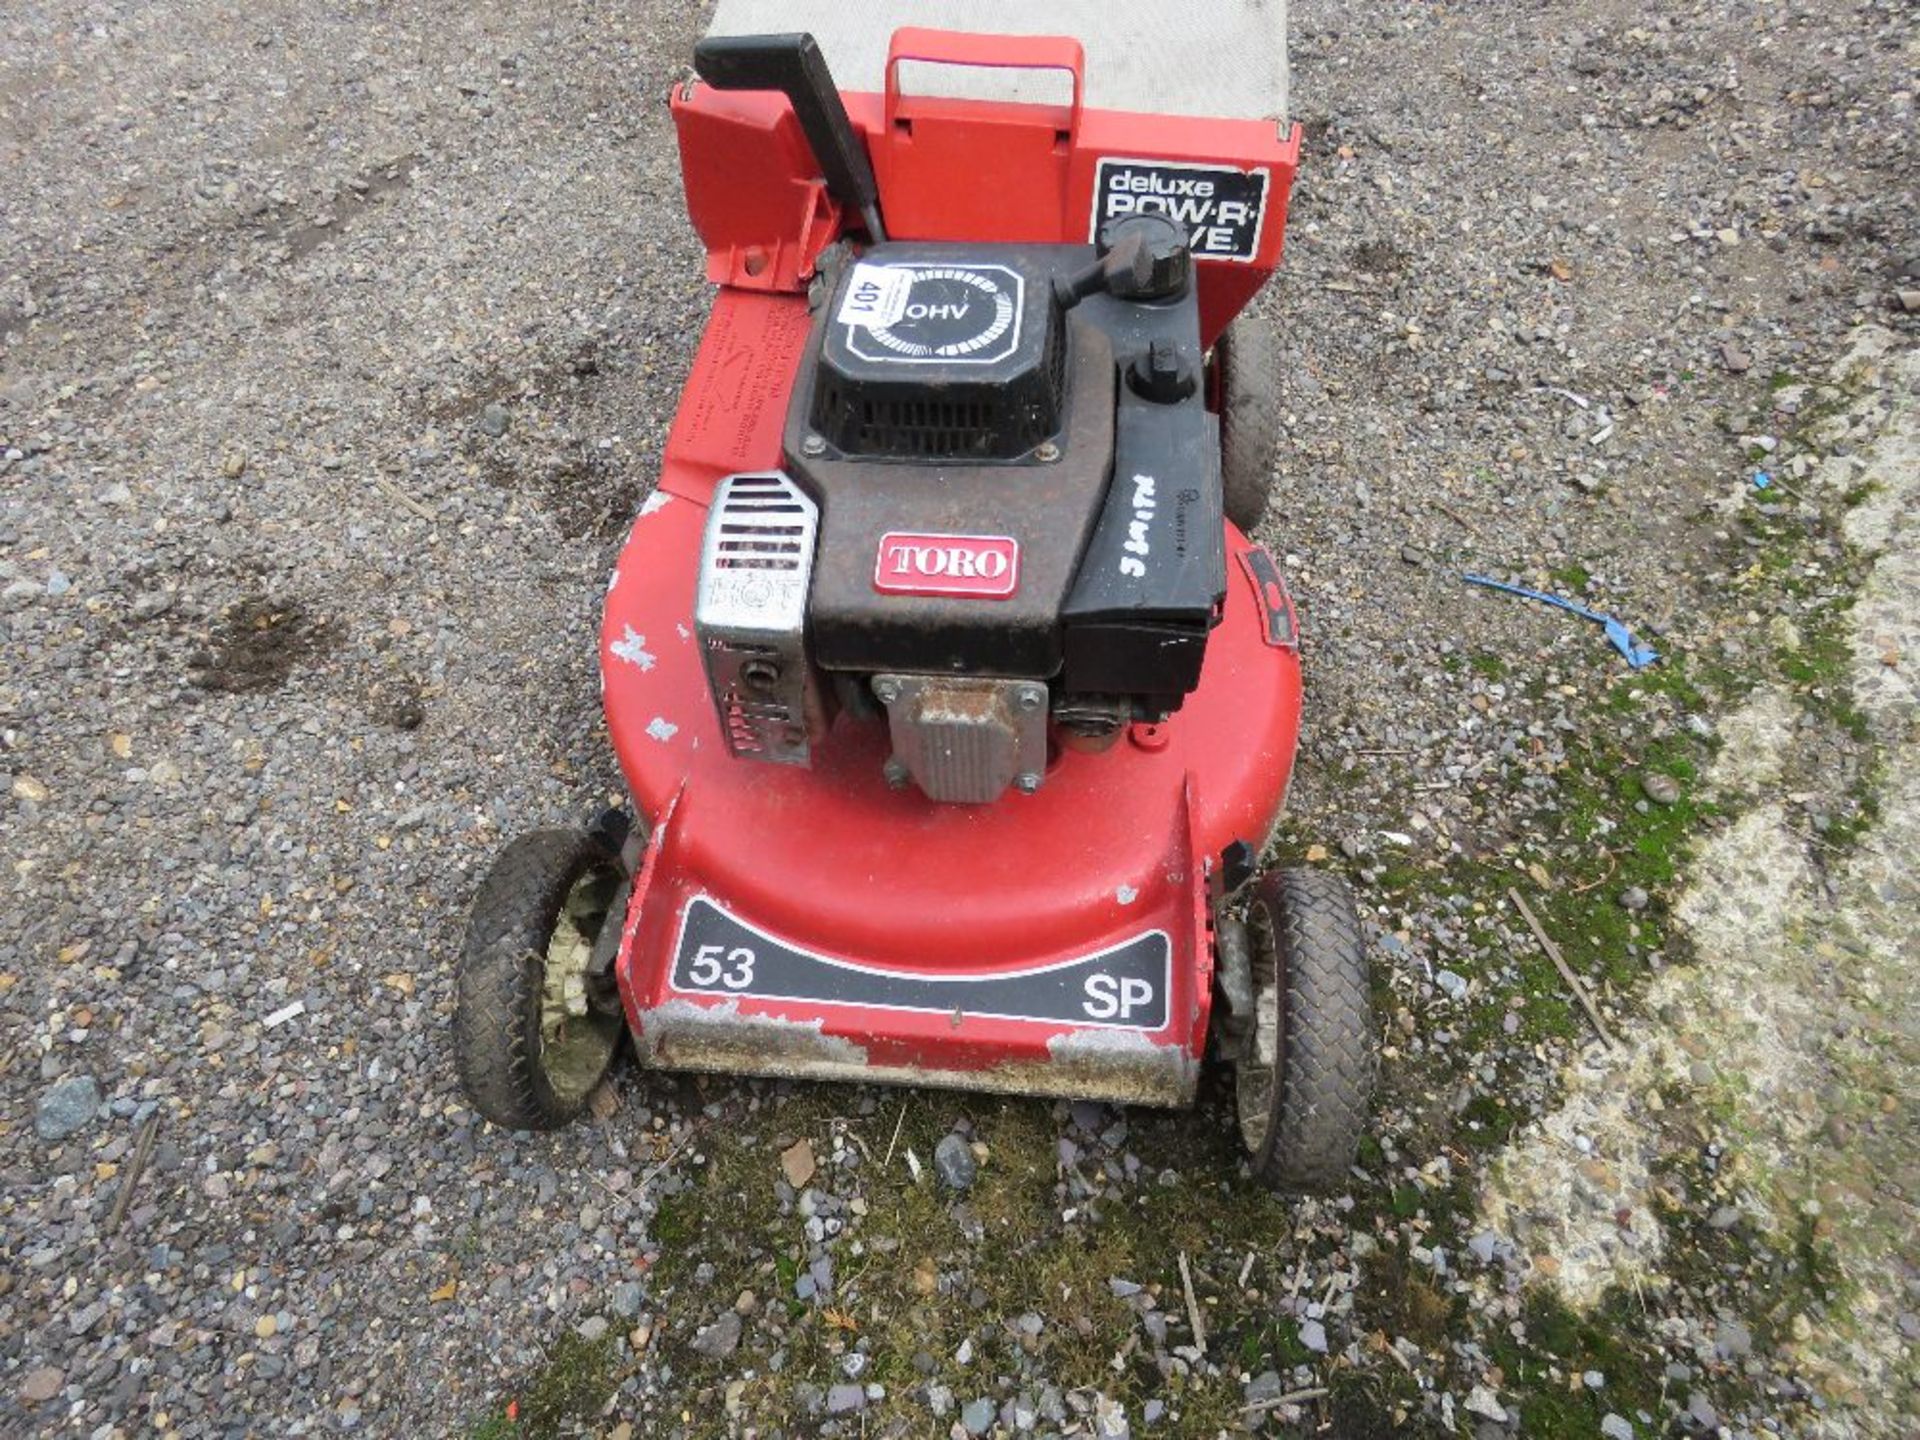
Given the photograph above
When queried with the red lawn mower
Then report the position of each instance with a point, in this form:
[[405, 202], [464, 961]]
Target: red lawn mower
[[956, 703]]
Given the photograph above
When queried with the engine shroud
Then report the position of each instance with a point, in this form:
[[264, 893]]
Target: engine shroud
[[929, 360], [999, 496]]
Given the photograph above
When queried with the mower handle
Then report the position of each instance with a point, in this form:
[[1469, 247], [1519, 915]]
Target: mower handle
[[989, 52], [794, 66]]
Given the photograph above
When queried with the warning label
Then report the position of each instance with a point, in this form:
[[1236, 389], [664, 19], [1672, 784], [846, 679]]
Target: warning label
[[1221, 207]]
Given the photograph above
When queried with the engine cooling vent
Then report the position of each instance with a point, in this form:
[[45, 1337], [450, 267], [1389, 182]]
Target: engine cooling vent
[[928, 427], [750, 612]]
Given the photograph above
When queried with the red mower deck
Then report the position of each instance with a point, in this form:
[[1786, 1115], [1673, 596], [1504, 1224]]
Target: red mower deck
[[906, 910]]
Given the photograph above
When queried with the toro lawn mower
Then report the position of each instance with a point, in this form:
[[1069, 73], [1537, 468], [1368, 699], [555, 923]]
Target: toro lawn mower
[[956, 703]]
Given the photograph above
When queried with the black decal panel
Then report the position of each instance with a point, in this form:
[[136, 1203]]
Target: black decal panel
[[1221, 207], [1125, 987]]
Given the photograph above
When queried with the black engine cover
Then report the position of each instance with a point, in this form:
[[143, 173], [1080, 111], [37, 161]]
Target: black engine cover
[[932, 360], [1008, 488]]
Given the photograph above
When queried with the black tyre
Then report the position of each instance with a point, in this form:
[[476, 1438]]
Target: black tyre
[[1304, 1077], [530, 1040], [1248, 356]]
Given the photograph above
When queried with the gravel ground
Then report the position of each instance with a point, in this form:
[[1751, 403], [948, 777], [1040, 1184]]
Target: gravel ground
[[339, 344]]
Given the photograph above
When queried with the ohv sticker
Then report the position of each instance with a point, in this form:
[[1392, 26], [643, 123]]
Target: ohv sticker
[[1221, 207], [932, 314]]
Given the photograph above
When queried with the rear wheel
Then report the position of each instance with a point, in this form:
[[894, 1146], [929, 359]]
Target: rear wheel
[[1304, 1074], [1248, 356], [534, 1029]]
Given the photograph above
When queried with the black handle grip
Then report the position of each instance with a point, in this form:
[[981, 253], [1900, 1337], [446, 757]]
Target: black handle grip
[[794, 66]]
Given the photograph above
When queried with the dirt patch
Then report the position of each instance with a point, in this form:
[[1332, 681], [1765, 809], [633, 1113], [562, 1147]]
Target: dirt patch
[[584, 494], [257, 644], [304, 236], [1378, 257], [397, 701], [523, 432]]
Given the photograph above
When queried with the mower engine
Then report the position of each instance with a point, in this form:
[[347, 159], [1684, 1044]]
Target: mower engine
[[1000, 518]]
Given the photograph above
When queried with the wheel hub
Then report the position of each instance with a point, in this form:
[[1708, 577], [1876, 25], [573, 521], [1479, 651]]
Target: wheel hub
[[575, 1035], [1257, 1065]]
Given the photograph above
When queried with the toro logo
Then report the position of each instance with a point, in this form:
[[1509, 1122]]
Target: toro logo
[[979, 567]]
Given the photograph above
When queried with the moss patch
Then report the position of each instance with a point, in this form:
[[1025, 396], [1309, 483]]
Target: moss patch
[[936, 1276], [570, 1387], [1547, 1366]]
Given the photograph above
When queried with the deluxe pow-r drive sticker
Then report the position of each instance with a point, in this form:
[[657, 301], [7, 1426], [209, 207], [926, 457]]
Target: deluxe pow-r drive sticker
[[1221, 206]]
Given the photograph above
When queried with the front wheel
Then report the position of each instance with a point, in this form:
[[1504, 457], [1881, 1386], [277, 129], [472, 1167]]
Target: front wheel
[[1303, 1077], [532, 1036]]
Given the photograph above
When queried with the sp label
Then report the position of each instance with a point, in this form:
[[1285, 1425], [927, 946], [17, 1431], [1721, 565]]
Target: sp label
[[1118, 997]]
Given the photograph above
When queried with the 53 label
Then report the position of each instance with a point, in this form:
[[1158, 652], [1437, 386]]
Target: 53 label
[[730, 969]]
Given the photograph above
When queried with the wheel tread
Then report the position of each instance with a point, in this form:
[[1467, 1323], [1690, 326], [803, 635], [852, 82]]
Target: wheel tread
[[1249, 417], [505, 942], [1329, 1061]]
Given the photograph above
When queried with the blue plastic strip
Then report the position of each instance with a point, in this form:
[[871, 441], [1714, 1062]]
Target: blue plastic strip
[[1637, 655]]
